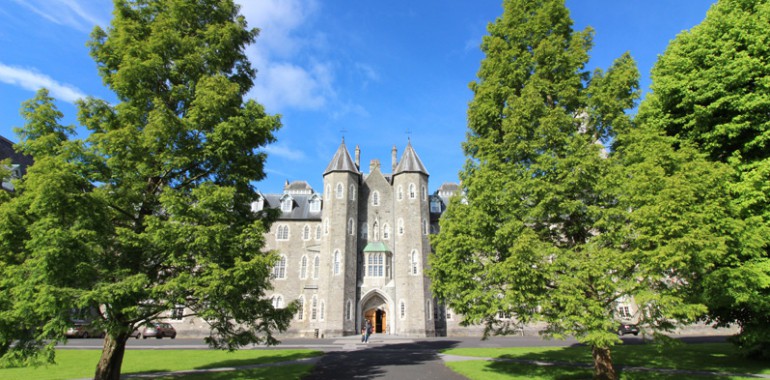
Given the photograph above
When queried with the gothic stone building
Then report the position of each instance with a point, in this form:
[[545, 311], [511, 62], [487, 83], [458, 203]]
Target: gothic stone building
[[359, 250]]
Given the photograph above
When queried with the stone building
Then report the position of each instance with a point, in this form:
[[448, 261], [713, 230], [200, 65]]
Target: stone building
[[358, 251]]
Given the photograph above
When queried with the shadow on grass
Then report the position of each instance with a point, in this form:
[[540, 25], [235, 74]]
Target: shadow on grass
[[261, 360], [288, 372], [575, 362], [260, 357], [378, 361]]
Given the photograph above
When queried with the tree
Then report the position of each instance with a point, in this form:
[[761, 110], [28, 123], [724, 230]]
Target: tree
[[710, 90], [151, 210], [536, 235]]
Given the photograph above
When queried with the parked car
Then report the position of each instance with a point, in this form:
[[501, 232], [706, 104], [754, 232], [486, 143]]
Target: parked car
[[83, 329], [159, 330], [136, 333], [628, 328]]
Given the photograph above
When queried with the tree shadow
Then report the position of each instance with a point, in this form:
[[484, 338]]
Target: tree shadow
[[377, 360]]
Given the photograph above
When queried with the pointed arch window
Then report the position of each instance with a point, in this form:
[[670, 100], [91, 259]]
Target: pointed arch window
[[375, 198], [424, 192], [282, 233], [301, 308], [376, 231], [400, 226], [306, 232], [277, 301], [279, 270], [352, 192], [364, 231], [349, 310], [318, 232], [424, 227], [328, 192], [412, 191], [429, 308], [314, 308], [386, 231], [414, 258], [351, 227], [336, 262], [316, 266], [400, 192], [303, 267], [340, 191]]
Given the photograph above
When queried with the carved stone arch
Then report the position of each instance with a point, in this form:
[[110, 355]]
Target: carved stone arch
[[379, 307]]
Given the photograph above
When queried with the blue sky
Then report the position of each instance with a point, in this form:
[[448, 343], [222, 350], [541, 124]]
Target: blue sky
[[376, 72]]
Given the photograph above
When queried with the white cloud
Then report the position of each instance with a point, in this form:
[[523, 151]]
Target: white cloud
[[77, 14], [33, 81], [282, 150], [290, 70]]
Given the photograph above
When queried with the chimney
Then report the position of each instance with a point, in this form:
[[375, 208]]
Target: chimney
[[374, 164], [358, 158], [393, 159]]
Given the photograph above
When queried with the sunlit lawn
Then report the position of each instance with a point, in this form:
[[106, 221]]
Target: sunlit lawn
[[79, 364], [714, 357]]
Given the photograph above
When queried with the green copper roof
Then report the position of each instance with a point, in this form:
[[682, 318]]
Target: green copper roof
[[376, 246]]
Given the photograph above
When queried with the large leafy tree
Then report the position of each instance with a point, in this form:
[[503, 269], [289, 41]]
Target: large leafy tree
[[535, 235], [711, 90], [152, 209]]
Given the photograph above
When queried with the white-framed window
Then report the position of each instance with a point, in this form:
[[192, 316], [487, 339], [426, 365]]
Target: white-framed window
[[303, 267], [375, 264], [258, 205], [386, 231], [364, 231], [376, 230], [279, 270], [375, 198], [400, 224], [316, 266], [314, 308], [328, 192], [315, 205], [287, 204], [425, 227], [323, 311], [339, 192], [351, 227], [352, 192], [301, 308], [400, 192], [336, 262], [402, 310], [349, 310], [624, 311], [424, 192], [282, 233], [306, 233], [412, 191], [429, 309], [414, 258], [318, 232], [277, 301]]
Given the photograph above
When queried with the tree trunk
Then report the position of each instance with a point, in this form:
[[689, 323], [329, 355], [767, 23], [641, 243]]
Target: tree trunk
[[603, 369], [112, 357]]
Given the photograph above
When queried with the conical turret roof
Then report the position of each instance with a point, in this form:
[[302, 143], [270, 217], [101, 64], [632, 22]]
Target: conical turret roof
[[410, 162], [341, 162]]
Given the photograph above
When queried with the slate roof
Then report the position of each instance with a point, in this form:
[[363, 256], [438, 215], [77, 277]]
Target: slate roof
[[300, 209], [410, 162], [341, 162]]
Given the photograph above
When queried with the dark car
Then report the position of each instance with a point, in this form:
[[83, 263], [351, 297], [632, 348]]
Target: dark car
[[159, 330], [628, 328], [83, 329]]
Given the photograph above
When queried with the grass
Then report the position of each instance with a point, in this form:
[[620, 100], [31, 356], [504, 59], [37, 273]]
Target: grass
[[712, 357], [78, 364]]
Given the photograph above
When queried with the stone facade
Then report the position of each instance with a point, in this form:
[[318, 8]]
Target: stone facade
[[359, 250]]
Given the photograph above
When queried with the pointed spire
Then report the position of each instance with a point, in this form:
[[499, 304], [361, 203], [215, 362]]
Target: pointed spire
[[410, 162], [341, 162]]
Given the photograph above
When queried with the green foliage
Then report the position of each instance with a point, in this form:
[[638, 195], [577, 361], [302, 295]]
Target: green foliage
[[711, 92], [152, 209]]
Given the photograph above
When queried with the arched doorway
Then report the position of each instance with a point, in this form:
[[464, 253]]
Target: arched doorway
[[376, 310], [377, 318]]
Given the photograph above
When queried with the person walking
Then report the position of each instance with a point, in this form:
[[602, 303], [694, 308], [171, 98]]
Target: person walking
[[368, 332], [363, 334]]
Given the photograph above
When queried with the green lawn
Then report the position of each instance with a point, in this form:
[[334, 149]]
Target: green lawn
[[73, 364], [716, 357]]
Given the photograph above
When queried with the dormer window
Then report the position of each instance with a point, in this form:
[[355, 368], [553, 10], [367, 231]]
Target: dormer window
[[315, 205], [258, 205], [286, 204]]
